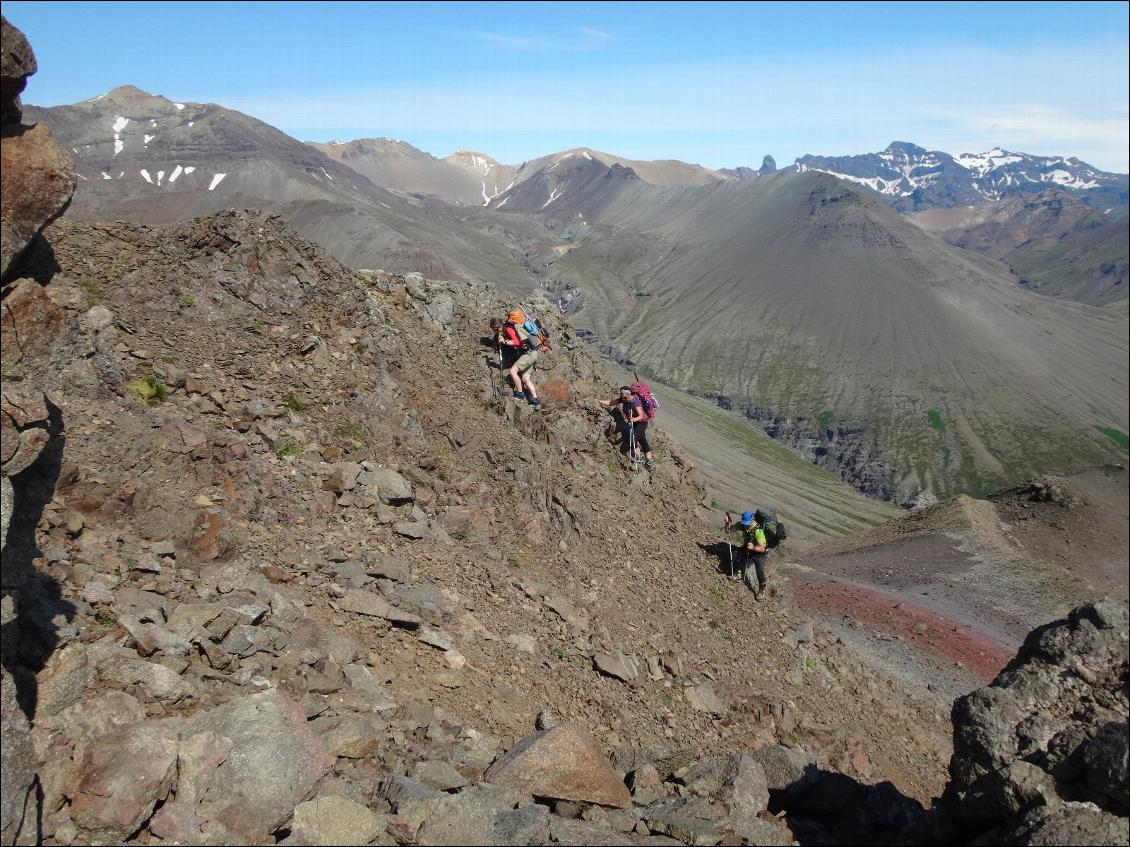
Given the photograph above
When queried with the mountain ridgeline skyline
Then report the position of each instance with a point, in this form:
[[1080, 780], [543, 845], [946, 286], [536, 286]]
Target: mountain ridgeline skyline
[[801, 296]]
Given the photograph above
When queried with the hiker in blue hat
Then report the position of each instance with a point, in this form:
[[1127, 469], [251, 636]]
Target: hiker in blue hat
[[748, 542]]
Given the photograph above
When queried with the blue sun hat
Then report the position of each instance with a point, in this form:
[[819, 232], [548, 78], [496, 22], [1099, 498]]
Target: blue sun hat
[[747, 518]]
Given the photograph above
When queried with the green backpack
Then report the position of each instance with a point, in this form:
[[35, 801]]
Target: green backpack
[[774, 529]]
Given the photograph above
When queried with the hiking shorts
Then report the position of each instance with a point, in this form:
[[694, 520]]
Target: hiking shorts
[[527, 361]]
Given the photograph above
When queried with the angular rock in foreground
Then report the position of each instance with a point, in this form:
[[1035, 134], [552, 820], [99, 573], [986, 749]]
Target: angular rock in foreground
[[274, 763], [562, 763], [122, 778], [1040, 755], [17, 776]]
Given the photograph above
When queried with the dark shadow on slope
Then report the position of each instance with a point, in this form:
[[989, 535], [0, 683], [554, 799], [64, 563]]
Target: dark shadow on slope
[[623, 430], [39, 261], [726, 556], [831, 808], [32, 634]]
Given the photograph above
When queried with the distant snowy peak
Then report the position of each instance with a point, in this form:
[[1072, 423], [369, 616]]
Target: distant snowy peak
[[472, 159], [913, 178]]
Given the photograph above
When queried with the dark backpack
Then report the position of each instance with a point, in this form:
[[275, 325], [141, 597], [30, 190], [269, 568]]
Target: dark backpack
[[774, 529]]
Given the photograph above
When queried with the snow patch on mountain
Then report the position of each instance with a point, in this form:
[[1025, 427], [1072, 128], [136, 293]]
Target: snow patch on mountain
[[216, 180], [1070, 180], [119, 124], [553, 195]]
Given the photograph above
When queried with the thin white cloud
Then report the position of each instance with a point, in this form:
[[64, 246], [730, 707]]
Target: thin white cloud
[[579, 39], [1041, 121], [512, 42], [595, 34]]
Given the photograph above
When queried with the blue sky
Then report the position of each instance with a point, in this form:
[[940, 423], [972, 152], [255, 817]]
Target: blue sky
[[718, 84]]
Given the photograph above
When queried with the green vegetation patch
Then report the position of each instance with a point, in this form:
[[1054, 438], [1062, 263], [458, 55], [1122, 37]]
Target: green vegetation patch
[[825, 419], [1116, 435], [289, 450], [148, 390], [936, 420]]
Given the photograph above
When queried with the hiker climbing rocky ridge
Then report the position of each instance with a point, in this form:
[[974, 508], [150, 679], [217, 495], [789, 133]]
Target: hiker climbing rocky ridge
[[299, 573], [266, 504], [270, 507]]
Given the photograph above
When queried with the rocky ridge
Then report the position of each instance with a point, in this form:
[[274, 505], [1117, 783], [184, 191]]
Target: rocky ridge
[[306, 513], [1051, 242]]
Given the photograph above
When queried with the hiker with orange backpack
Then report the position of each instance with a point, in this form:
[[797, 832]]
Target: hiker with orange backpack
[[514, 336]]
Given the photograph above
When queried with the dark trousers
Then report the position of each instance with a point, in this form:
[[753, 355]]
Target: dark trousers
[[758, 561]]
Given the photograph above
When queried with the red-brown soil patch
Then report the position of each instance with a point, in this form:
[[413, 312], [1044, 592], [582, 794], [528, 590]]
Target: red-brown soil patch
[[980, 654]]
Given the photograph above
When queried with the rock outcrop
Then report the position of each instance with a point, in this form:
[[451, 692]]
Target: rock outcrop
[[37, 177], [36, 184], [1040, 755]]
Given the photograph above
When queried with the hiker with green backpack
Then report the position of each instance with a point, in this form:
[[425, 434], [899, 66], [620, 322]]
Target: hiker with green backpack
[[755, 534]]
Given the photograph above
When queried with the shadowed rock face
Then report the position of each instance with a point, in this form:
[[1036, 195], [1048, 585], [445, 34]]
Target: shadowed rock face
[[36, 184]]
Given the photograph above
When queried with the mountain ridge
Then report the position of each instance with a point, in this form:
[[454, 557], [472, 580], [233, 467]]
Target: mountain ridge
[[616, 252], [912, 178]]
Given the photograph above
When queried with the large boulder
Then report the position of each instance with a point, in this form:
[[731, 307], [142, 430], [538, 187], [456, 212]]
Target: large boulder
[[562, 763], [1041, 752], [17, 63], [271, 762], [121, 779], [37, 180]]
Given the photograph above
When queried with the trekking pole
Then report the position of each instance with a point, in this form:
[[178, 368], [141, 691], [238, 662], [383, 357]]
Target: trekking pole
[[729, 546], [632, 445]]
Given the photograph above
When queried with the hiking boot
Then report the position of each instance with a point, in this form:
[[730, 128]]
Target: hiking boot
[[535, 402], [761, 596], [647, 464], [519, 395]]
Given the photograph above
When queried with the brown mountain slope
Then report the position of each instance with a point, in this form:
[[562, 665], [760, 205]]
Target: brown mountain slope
[[325, 539], [399, 166], [240, 467], [902, 363], [1052, 242]]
